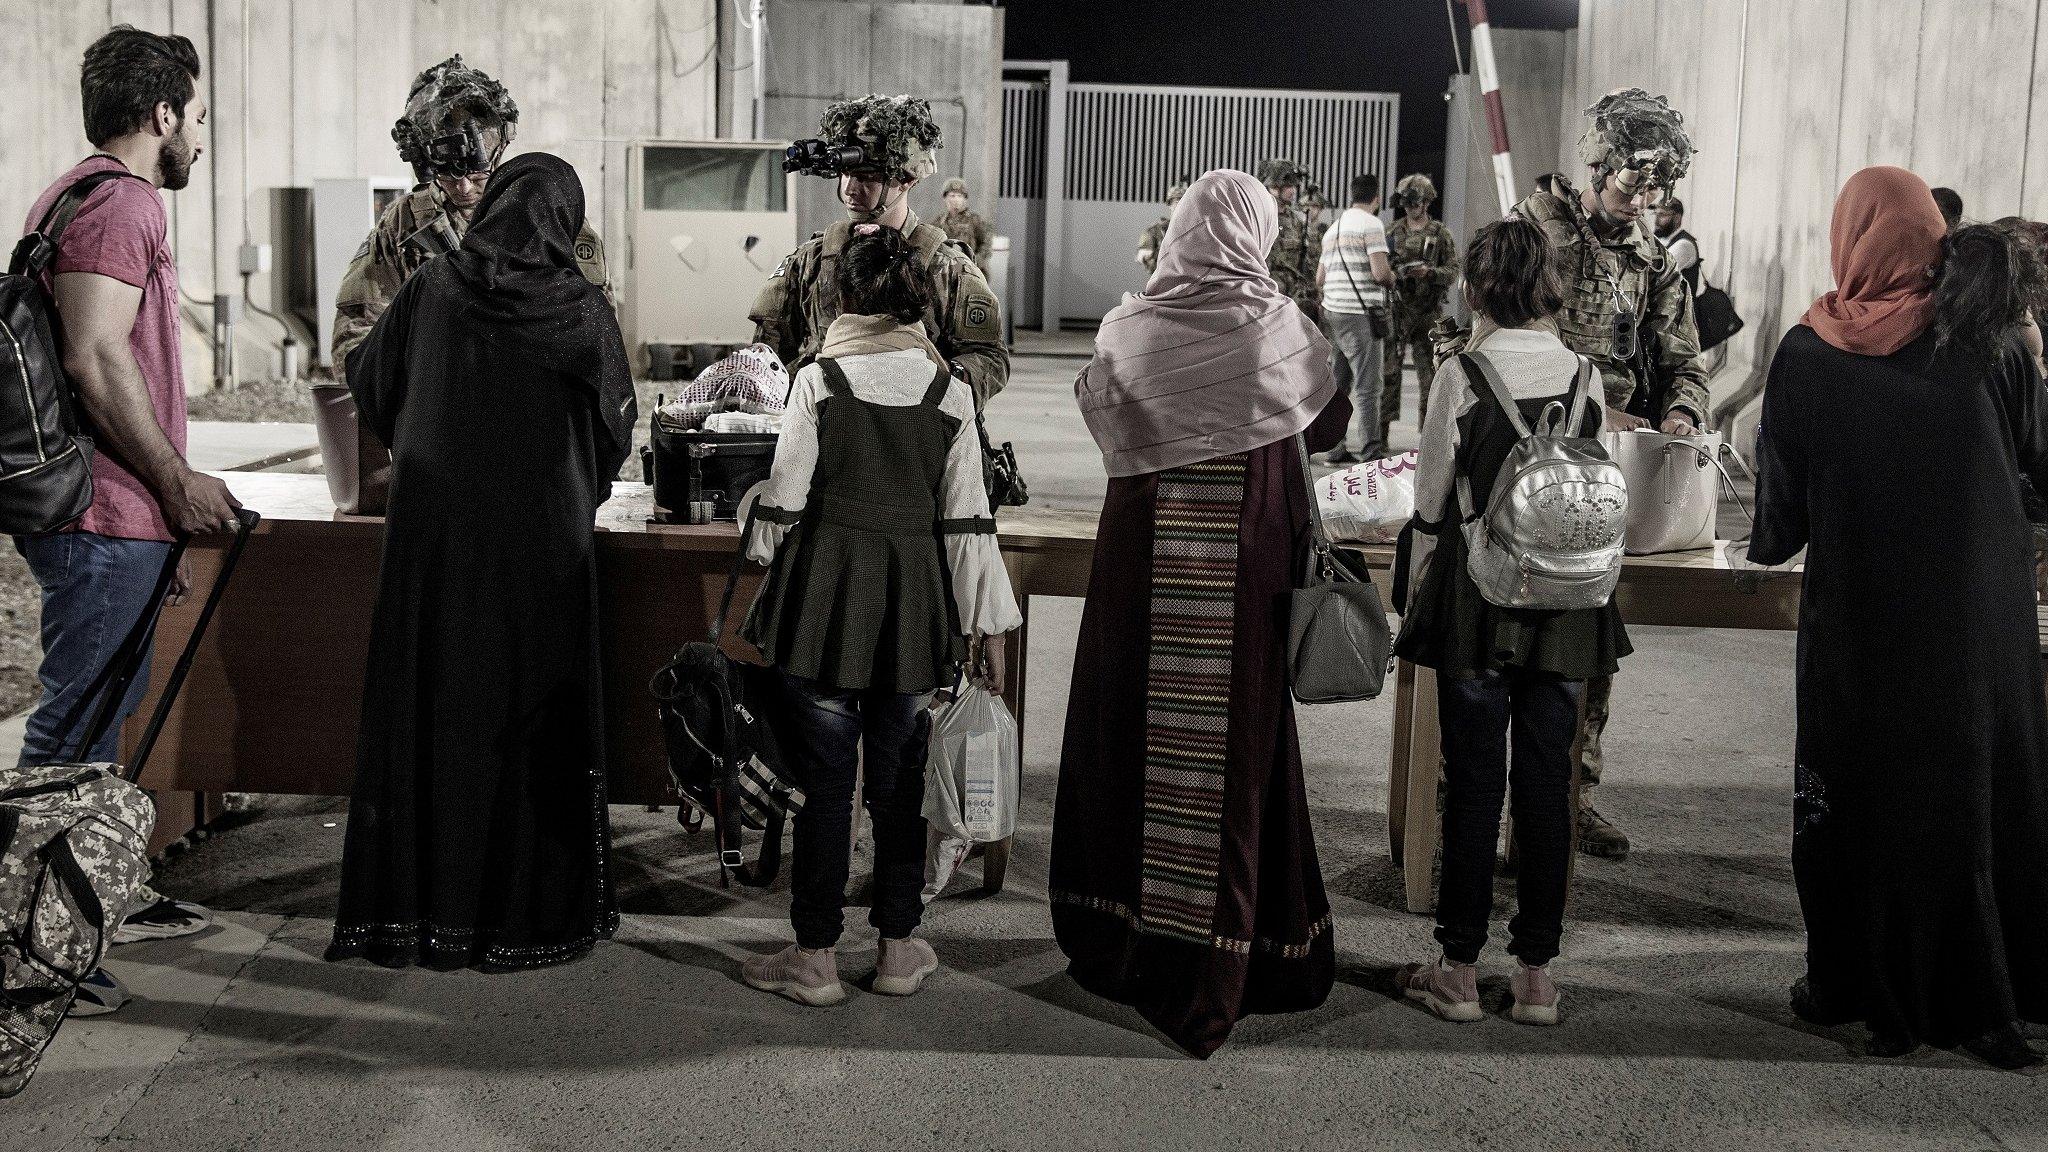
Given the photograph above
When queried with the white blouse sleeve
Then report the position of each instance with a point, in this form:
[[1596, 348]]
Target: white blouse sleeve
[[981, 585], [782, 496], [1436, 464]]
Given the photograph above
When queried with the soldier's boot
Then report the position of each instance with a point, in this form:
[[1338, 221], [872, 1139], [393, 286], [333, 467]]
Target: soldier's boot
[[1595, 834]]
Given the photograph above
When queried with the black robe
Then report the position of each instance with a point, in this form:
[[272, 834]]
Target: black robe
[[477, 832], [1920, 835]]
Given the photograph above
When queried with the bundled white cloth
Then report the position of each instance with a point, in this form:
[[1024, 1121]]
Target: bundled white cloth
[[749, 382], [1369, 503]]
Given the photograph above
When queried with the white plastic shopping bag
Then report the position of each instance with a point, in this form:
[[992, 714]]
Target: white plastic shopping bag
[[1369, 503], [972, 781]]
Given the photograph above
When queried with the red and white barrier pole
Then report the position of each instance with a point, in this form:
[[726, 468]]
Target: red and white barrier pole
[[1489, 95]]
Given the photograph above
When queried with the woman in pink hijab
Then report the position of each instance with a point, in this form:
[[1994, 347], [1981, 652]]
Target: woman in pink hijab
[[1184, 875], [1899, 421]]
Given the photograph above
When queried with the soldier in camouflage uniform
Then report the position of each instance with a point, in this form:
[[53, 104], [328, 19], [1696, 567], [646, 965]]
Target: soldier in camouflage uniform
[[966, 228], [1291, 261], [1425, 259], [457, 124], [1315, 209], [1150, 240], [796, 306], [1628, 309]]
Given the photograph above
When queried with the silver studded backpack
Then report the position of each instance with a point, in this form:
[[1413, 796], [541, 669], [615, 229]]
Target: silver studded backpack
[[1552, 533]]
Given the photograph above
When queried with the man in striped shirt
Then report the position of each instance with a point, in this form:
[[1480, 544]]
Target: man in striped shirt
[[1353, 275]]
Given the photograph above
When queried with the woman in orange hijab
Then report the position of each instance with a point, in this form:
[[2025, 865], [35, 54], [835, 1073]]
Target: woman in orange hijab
[[1920, 811]]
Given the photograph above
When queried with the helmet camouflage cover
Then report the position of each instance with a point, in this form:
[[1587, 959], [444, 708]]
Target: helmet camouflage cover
[[956, 184], [1633, 131], [445, 98], [1177, 189], [1415, 186], [1279, 173], [899, 129]]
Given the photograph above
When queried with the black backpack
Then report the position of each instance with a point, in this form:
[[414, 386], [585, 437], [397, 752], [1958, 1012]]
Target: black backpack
[[723, 752], [45, 461]]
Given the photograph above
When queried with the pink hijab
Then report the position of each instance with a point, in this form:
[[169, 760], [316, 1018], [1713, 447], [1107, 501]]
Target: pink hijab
[[1211, 359], [1885, 242]]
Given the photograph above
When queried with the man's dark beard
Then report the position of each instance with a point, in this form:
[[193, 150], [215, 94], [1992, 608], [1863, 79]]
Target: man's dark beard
[[1666, 231], [174, 164]]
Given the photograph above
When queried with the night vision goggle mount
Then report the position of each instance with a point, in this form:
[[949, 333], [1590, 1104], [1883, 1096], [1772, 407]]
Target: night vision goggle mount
[[456, 154], [816, 157]]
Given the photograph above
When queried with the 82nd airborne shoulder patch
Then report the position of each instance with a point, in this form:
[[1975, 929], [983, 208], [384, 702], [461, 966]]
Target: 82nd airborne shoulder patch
[[978, 317]]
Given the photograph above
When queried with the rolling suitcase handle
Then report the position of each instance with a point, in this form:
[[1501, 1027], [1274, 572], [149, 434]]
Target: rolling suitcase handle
[[112, 683]]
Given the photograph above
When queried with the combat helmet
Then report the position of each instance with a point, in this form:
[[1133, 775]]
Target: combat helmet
[[1415, 187], [457, 121], [897, 132], [1636, 136], [1279, 173], [956, 184], [1177, 189]]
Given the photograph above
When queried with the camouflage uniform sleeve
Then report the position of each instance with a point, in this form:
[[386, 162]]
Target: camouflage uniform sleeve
[[972, 335], [1446, 272], [590, 261], [778, 310], [372, 279], [1678, 346]]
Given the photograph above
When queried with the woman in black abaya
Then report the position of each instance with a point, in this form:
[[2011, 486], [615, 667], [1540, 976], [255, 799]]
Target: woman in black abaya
[[1920, 822], [477, 835]]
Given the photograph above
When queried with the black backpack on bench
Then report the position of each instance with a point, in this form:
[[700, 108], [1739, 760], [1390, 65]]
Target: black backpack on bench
[[45, 461], [723, 752]]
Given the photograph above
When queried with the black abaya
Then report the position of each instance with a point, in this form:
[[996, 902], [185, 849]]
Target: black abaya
[[477, 832], [1920, 841]]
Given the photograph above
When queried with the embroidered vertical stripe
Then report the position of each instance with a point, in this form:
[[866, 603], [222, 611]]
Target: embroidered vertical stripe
[[1187, 713]]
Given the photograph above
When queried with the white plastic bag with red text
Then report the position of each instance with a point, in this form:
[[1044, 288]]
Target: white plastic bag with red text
[[1369, 503]]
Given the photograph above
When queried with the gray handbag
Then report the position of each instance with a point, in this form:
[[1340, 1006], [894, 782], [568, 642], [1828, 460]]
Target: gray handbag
[[1338, 643]]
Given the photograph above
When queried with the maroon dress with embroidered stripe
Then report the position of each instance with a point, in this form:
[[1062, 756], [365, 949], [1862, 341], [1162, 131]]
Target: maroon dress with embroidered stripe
[[1184, 876]]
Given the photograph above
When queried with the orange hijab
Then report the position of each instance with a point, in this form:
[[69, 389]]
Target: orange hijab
[[1886, 244]]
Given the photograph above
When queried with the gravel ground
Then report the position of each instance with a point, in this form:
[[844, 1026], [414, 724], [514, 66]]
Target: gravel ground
[[271, 400], [20, 612]]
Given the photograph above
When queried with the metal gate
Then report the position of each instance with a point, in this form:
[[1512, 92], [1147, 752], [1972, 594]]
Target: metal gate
[[1089, 165]]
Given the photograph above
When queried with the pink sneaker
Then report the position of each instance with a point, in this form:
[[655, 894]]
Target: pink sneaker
[[1536, 995], [1447, 989], [805, 975], [904, 966]]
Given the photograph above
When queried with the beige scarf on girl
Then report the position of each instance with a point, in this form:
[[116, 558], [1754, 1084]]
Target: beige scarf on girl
[[865, 335]]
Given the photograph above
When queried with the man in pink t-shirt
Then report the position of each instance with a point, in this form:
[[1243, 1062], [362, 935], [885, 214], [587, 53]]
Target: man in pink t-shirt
[[115, 288]]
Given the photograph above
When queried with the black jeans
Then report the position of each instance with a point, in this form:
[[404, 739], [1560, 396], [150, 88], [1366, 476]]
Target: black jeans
[[1542, 710], [831, 727]]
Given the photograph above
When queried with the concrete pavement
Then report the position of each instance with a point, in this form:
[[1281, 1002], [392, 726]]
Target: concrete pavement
[[1674, 971]]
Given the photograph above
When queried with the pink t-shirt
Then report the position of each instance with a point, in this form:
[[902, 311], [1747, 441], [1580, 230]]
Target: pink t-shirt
[[122, 231]]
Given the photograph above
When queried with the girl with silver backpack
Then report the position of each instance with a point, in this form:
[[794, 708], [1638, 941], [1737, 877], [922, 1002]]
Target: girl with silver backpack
[[1513, 608]]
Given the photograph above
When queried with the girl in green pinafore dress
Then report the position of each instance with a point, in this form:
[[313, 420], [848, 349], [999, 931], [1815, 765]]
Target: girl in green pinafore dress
[[882, 567]]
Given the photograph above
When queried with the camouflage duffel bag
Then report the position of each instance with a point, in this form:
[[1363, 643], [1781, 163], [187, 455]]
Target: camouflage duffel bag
[[74, 840]]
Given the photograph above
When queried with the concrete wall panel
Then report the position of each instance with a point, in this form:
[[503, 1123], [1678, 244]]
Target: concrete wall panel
[[1974, 59], [1881, 47], [385, 64], [2034, 166], [323, 71]]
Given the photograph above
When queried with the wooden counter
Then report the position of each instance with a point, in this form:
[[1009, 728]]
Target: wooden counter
[[274, 697]]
